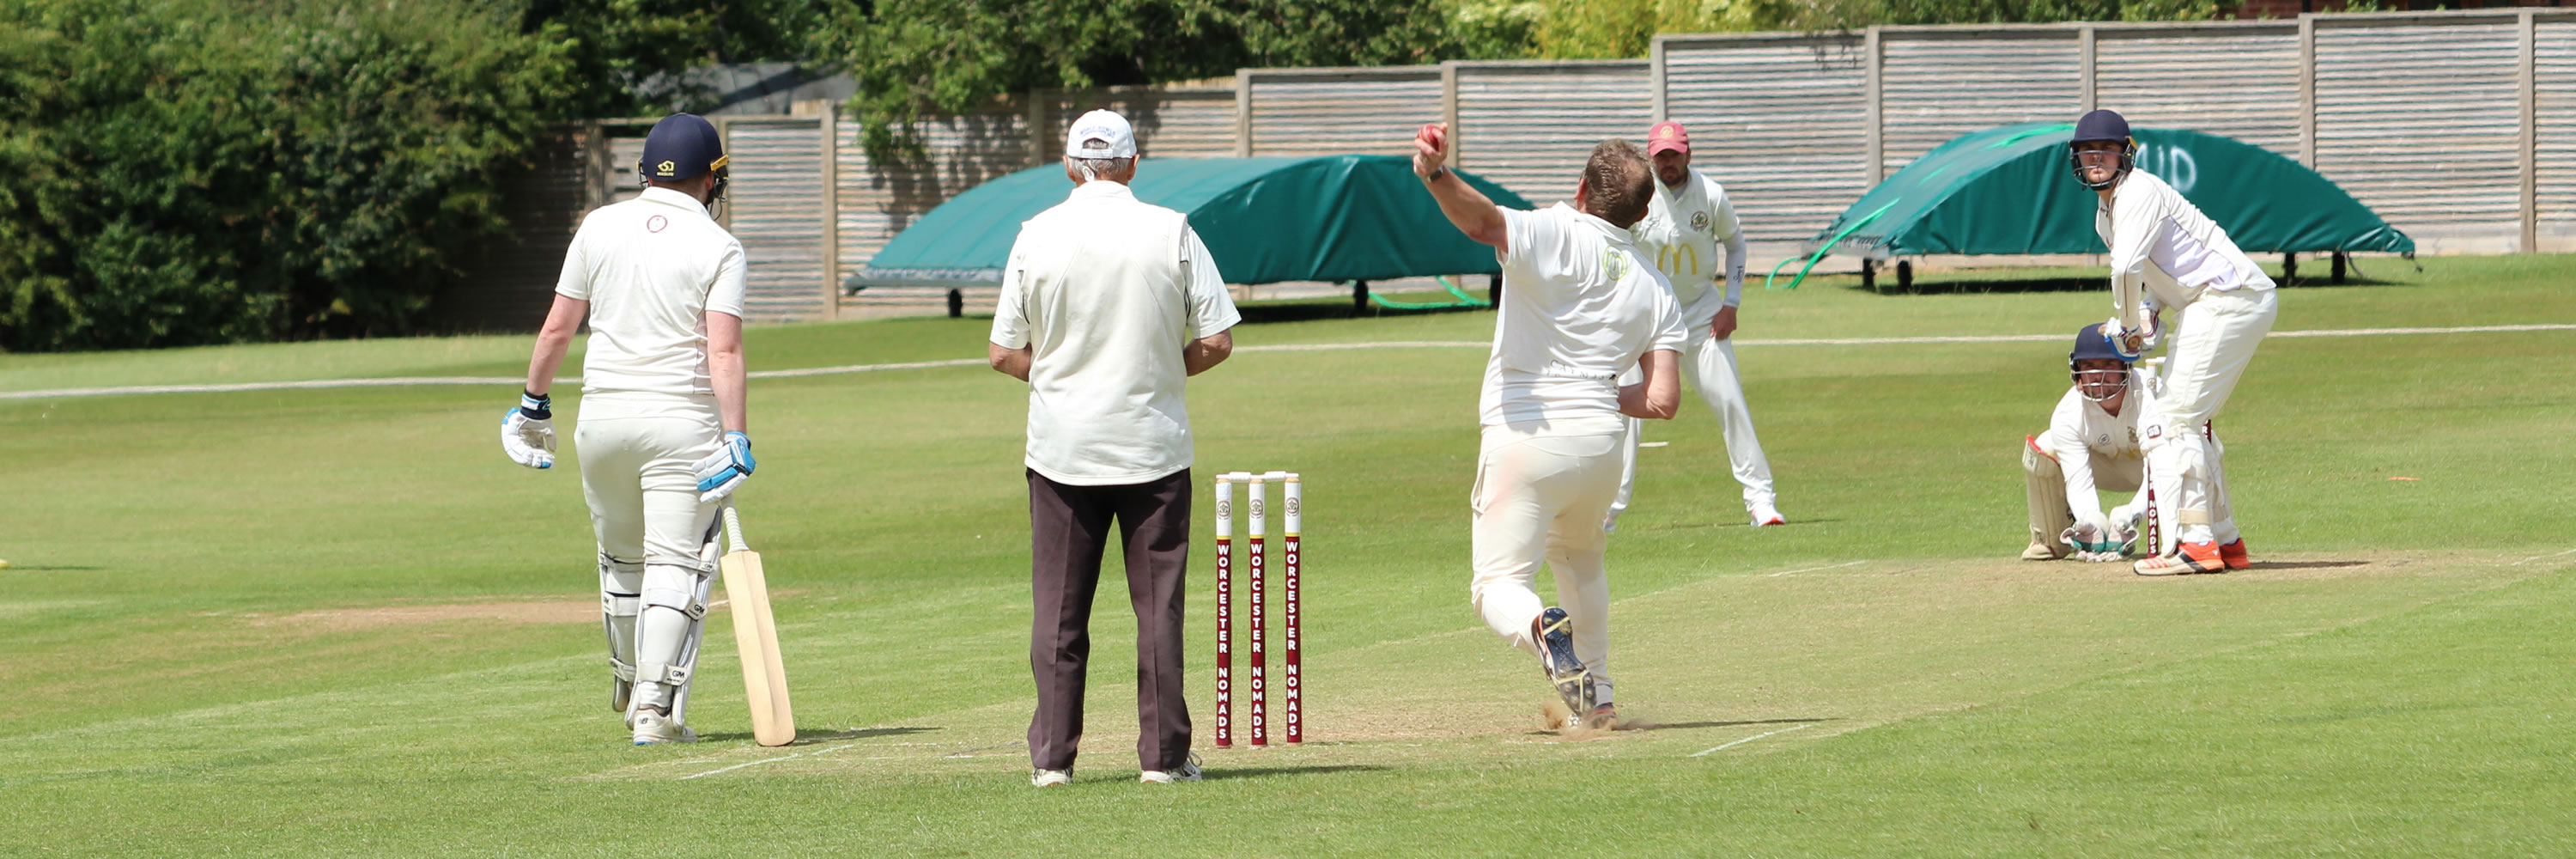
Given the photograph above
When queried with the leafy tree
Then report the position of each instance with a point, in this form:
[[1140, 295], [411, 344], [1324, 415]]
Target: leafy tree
[[914, 57], [627, 54], [207, 171]]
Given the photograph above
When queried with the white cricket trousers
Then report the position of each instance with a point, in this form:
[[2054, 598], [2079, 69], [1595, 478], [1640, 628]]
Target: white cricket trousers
[[637, 454], [2213, 342], [1709, 368], [1540, 498]]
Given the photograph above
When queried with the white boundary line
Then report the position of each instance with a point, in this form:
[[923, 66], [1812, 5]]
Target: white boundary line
[[1705, 752], [406, 381]]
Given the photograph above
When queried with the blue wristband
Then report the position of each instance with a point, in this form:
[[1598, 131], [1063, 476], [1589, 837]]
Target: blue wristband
[[537, 407]]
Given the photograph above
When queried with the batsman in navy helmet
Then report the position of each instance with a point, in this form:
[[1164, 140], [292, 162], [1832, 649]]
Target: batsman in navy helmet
[[663, 423], [2166, 255]]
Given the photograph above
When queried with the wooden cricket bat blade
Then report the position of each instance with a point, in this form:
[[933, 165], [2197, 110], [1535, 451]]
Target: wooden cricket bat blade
[[755, 634]]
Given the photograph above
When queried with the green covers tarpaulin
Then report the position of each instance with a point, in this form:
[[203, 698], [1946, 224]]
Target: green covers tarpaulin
[[1266, 220], [2008, 190]]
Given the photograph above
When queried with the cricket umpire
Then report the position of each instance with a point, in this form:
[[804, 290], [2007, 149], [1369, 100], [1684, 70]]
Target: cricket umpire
[[662, 415], [1108, 305]]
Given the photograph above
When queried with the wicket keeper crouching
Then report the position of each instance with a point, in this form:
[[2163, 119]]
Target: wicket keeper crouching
[[2091, 443], [662, 418]]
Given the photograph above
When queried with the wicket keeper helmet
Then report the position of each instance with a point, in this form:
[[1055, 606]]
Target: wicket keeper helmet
[[2090, 345], [683, 146], [2102, 125]]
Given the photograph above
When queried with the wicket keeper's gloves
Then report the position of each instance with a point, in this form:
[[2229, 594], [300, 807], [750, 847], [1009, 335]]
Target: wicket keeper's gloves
[[2096, 542], [724, 470], [528, 431]]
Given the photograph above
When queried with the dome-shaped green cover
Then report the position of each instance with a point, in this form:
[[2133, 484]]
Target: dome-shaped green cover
[[2009, 190], [1266, 220]]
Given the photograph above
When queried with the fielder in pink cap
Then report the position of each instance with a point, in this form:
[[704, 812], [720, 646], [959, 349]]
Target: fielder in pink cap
[[1685, 224]]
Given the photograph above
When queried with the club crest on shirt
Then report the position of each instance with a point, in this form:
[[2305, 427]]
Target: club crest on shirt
[[1699, 220], [1614, 265]]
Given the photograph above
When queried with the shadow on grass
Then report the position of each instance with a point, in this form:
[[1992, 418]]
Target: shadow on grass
[[1309, 311], [22, 568], [2307, 565], [1214, 772], [817, 735], [1671, 726]]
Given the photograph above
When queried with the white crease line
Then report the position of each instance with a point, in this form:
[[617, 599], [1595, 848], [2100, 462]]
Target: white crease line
[[1813, 569], [2540, 557], [306, 384], [1704, 753]]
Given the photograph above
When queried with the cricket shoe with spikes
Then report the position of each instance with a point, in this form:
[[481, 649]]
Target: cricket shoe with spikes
[[1764, 515], [1051, 778], [1605, 717], [1556, 657], [2201, 557], [653, 729], [1187, 771], [2233, 552]]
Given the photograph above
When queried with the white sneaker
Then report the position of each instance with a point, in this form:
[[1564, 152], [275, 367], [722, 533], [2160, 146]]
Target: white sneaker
[[1189, 771], [1765, 514], [653, 728], [1051, 778]]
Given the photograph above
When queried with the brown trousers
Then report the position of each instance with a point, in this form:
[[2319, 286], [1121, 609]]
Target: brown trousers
[[1069, 529]]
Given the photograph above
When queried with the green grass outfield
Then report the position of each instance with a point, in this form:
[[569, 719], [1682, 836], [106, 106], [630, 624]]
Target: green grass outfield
[[338, 622]]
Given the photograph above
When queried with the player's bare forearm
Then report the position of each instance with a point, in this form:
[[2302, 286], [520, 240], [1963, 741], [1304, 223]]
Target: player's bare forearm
[[1207, 352], [1010, 362], [725, 371], [1466, 207], [1659, 395], [553, 340]]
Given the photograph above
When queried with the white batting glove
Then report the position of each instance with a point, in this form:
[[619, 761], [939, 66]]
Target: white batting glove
[[528, 432], [723, 471]]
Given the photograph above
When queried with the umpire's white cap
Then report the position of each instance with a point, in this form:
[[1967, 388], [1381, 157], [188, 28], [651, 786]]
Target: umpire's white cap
[[1100, 134]]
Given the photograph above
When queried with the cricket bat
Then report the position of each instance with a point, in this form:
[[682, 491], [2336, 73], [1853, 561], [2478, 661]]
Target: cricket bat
[[755, 636]]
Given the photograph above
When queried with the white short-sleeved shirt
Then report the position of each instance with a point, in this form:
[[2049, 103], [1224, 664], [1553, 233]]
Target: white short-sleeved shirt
[[2079, 430], [1580, 306], [652, 268], [1107, 290], [1682, 233], [2164, 252]]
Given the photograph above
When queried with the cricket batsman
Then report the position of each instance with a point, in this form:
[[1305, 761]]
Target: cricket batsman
[[2091, 443], [2166, 255], [1580, 306], [1686, 223], [662, 415]]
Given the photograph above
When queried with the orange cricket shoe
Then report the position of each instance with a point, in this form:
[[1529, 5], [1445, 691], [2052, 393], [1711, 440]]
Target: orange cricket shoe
[[2201, 557], [2234, 554]]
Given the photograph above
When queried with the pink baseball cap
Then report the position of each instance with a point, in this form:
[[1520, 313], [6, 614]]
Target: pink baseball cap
[[1667, 137]]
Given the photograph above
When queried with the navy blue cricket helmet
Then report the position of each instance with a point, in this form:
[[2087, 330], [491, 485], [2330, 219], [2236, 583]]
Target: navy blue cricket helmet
[[2091, 345], [2102, 125], [683, 146]]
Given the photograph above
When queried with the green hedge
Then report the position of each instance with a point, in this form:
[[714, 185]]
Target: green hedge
[[177, 172]]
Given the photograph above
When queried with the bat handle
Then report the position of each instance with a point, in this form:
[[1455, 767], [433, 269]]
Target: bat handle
[[733, 529]]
